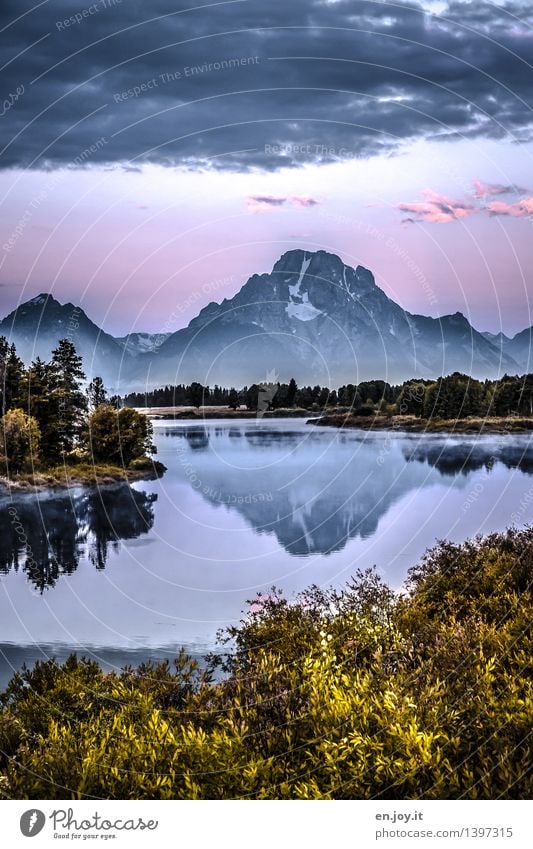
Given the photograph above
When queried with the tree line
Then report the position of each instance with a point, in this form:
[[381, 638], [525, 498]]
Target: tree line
[[51, 415], [454, 396]]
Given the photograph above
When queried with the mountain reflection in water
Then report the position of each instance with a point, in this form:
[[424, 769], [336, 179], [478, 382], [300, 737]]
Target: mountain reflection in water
[[313, 490], [316, 490]]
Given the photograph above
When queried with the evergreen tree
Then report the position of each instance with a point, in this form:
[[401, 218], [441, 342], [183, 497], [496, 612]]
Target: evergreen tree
[[116, 402], [196, 394], [67, 397], [233, 399], [11, 376], [38, 402], [96, 393], [252, 396], [525, 395], [323, 398], [410, 401], [291, 392]]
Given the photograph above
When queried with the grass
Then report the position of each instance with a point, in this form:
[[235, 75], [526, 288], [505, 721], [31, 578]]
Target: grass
[[84, 474], [472, 424]]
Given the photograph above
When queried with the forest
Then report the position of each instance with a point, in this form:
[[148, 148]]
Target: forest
[[454, 396], [51, 417]]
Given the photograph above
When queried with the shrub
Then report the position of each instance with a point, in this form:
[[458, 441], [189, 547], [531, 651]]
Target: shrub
[[118, 436], [345, 694], [19, 440]]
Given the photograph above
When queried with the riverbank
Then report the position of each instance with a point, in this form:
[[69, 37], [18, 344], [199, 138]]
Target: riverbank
[[81, 474], [200, 413], [412, 424]]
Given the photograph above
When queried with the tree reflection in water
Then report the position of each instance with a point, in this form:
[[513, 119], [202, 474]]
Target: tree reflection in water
[[47, 536]]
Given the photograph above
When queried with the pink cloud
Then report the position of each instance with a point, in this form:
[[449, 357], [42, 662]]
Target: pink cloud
[[303, 200], [436, 209], [519, 209], [267, 203], [483, 190]]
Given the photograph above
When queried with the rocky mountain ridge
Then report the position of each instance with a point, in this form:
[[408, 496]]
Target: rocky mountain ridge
[[312, 317]]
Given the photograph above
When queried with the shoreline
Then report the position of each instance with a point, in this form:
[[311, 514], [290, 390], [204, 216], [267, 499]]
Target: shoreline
[[411, 424], [400, 423], [201, 414], [82, 475]]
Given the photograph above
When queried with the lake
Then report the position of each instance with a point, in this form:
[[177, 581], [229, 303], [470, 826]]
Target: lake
[[130, 573]]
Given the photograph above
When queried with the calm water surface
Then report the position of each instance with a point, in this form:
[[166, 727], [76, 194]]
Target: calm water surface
[[126, 574]]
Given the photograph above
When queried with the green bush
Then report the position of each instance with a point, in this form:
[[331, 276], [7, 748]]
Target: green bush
[[19, 441], [359, 693], [118, 436]]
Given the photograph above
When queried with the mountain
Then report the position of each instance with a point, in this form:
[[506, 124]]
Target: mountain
[[320, 321], [37, 325], [519, 347], [142, 343], [312, 318]]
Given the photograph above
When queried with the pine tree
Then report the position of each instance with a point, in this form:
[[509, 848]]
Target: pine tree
[[11, 376], [291, 392], [67, 397], [38, 402], [96, 393]]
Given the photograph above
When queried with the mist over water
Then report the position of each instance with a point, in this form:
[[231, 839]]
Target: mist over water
[[133, 573]]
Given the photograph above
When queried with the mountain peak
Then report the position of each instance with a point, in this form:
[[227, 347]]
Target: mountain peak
[[293, 259], [40, 300], [321, 265]]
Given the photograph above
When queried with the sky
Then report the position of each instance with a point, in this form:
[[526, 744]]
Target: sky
[[154, 156]]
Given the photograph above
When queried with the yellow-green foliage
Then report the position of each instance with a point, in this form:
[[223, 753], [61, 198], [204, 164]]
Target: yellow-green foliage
[[336, 695], [19, 441]]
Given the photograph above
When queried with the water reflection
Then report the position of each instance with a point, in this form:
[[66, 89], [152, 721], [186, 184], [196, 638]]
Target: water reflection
[[243, 506], [46, 537], [466, 457], [313, 490], [316, 491]]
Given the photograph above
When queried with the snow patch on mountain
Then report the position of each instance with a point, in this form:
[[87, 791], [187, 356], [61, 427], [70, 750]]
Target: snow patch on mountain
[[303, 312], [299, 305]]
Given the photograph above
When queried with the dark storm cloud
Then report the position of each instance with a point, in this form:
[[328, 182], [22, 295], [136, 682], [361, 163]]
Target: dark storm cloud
[[247, 84]]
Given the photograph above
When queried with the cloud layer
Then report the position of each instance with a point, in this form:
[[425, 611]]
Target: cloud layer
[[247, 85], [440, 209]]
